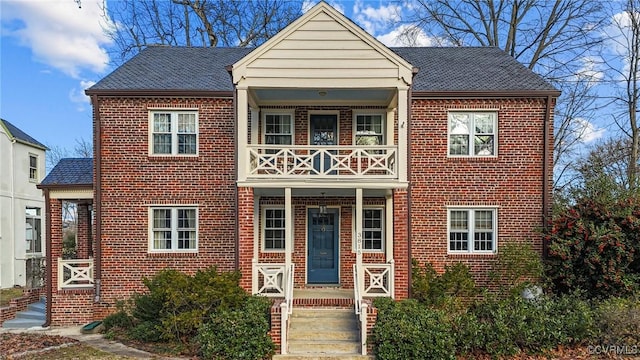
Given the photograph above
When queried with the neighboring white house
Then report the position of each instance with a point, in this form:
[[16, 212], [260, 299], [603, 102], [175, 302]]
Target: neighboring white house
[[22, 207]]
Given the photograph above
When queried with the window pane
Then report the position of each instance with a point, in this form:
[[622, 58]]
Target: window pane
[[459, 220], [187, 144], [274, 229], [162, 219], [484, 220], [458, 241], [483, 241], [162, 240], [162, 143], [483, 145], [186, 123], [484, 123], [459, 124], [186, 239], [459, 145], [161, 123], [186, 218]]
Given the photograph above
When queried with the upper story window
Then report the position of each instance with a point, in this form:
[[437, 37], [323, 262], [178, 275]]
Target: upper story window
[[33, 167], [278, 129], [472, 133], [173, 229], [472, 230], [174, 133], [273, 229], [373, 229], [33, 234], [369, 129]]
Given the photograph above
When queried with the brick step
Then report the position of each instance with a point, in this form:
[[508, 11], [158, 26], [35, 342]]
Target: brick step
[[322, 357]]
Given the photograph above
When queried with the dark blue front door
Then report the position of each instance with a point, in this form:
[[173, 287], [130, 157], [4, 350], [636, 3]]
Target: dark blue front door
[[322, 260]]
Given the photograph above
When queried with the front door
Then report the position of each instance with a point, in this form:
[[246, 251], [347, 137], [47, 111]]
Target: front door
[[324, 132], [322, 259]]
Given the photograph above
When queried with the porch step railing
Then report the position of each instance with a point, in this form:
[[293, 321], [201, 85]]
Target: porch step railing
[[301, 161], [269, 279], [286, 309], [360, 308], [378, 280], [75, 273]]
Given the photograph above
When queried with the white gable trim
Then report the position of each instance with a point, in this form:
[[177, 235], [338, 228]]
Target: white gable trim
[[381, 66]]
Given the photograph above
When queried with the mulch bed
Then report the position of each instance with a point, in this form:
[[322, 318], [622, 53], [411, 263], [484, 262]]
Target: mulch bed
[[16, 343]]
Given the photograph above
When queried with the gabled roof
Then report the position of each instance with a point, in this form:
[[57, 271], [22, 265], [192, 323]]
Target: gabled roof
[[70, 171], [20, 136], [441, 69]]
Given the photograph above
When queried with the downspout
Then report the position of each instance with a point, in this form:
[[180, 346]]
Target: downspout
[[236, 234], [545, 174], [49, 259], [409, 187], [97, 141]]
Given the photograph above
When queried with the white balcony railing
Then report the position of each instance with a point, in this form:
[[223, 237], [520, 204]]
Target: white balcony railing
[[269, 279], [75, 273], [301, 161], [378, 280]]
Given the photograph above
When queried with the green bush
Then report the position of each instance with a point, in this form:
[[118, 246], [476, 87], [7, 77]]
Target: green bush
[[451, 291], [507, 326], [594, 246], [119, 320], [619, 322], [410, 330], [517, 266], [240, 333]]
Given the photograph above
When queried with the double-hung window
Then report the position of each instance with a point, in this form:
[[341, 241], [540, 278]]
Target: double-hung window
[[373, 229], [273, 229], [472, 230], [472, 133], [33, 234], [174, 229], [33, 167], [369, 129], [278, 129], [174, 133]]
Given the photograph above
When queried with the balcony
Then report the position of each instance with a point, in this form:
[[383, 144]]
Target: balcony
[[322, 162]]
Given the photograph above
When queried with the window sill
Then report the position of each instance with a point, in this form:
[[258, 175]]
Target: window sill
[[172, 254]]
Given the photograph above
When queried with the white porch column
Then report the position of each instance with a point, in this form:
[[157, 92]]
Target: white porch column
[[358, 221], [403, 123], [388, 228], [242, 114], [288, 227], [256, 227], [391, 126]]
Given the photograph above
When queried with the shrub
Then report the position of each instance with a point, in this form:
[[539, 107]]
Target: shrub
[[619, 322], [410, 330], [594, 246], [240, 333], [452, 291], [120, 320], [517, 266]]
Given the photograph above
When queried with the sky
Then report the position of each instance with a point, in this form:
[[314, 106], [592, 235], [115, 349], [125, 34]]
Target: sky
[[52, 50]]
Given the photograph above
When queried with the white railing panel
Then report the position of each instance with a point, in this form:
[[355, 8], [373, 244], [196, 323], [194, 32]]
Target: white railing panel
[[270, 279], [378, 280], [75, 273], [268, 161]]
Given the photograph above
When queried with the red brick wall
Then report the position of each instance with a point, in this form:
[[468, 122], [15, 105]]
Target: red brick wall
[[132, 181], [512, 180]]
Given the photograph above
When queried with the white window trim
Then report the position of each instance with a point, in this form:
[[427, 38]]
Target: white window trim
[[174, 132], [174, 228], [383, 116], [37, 168], [263, 228], [39, 216], [472, 134], [354, 236], [472, 209], [263, 126]]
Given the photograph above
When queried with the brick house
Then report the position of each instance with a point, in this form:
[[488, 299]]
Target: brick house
[[321, 159]]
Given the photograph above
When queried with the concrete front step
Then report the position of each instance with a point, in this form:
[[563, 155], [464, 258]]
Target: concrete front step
[[34, 316], [322, 357], [323, 333]]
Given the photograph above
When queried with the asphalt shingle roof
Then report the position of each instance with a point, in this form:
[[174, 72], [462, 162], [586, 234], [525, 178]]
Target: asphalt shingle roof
[[70, 171], [441, 69], [21, 135]]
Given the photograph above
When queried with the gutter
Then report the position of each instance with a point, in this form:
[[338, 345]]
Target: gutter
[[97, 206], [546, 174], [236, 233], [146, 93], [49, 259], [484, 94], [409, 187]]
